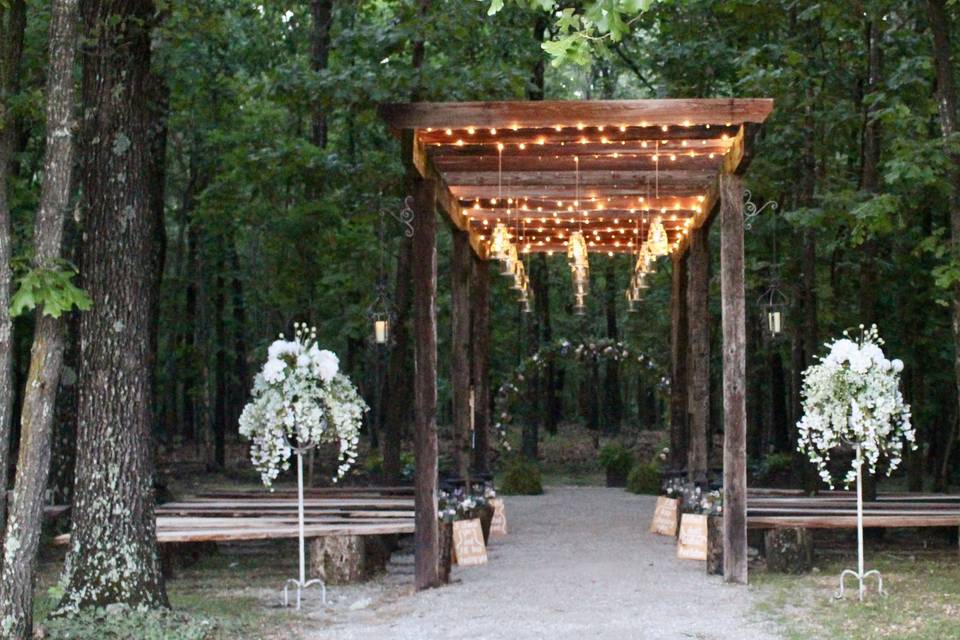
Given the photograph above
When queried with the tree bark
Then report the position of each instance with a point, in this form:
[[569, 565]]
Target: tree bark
[[734, 381], [480, 337], [460, 263], [679, 333], [22, 536], [424, 272], [613, 401], [13, 22], [113, 554], [698, 318], [947, 107], [397, 389], [322, 14]]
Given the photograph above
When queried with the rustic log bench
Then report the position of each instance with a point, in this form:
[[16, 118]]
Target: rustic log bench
[[787, 520], [350, 534]]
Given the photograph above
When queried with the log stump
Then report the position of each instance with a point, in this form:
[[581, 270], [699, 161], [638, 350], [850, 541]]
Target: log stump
[[789, 550], [445, 559], [347, 559], [715, 545]]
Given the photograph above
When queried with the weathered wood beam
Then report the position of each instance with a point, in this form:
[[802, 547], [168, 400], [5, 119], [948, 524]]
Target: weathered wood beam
[[510, 180], [480, 360], [505, 115], [592, 156], [679, 338], [460, 267], [587, 191], [698, 365], [734, 380], [424, 275], [533, 136], [594, 215], [626, 203]]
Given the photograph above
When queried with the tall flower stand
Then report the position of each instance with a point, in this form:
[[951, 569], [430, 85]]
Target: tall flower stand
[[859, 573], [302, 583]]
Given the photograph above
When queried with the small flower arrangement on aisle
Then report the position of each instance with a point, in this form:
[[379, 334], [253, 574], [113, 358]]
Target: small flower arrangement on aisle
[[852, 397], [458, 505], [301, 399]]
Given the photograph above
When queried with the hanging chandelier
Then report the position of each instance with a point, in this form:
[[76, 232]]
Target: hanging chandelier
[[500, 242]]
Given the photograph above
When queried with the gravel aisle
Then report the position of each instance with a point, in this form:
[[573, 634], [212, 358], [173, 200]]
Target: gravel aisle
[[578, 564]]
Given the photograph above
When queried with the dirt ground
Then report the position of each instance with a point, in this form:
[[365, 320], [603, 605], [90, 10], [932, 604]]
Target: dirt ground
[[578, 563]]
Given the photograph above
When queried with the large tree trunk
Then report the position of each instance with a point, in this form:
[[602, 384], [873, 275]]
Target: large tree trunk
[[698, 319], [322, 14], [113, 554], [13, 22], [947, 105], [480, 339], [397, 389], [22, 537]]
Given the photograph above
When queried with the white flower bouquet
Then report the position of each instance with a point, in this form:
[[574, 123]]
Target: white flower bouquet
[[852, 397], [300, 399]]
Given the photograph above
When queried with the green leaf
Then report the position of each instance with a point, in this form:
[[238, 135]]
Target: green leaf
[[495, 7], [51, 289]]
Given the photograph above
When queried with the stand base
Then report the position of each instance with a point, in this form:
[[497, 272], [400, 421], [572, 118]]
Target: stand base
[[861, 579], [301, 587]]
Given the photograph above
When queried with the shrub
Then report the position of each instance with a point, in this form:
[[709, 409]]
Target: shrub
[[616, 459], [776, 462], [645, 479], [122, 623], [521, 478]]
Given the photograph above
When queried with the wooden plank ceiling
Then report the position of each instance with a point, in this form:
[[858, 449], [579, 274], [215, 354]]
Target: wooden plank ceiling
[[608, 168]]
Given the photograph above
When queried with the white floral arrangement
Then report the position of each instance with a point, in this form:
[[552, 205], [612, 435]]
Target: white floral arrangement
[[301, 399], [852, 397]]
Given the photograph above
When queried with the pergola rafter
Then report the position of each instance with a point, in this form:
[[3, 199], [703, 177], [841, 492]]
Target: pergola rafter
[[607, 169]]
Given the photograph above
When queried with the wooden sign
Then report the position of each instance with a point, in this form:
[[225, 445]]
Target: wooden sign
[[468, 547], [692, 543], [665, 516], [498, 526]]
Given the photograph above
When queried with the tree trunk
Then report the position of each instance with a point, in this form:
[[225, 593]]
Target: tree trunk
[[460, 263], [734, 381], [22, 536], [13, 22], [679, 334], [480, 337], [424, 272], [698, 318], [322, 14], [113, 553], [779, 429], [397, 389], [220, 368], [613, 402], [947, 106]]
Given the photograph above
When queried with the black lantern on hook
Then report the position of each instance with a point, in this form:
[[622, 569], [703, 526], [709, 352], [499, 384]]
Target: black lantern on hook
[[773, 302]]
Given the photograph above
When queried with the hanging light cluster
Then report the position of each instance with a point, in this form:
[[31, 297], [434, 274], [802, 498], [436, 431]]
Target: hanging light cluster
[[503, 248], [578, 256]]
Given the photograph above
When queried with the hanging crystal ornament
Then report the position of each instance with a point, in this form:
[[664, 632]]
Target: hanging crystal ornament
[[657, 242]]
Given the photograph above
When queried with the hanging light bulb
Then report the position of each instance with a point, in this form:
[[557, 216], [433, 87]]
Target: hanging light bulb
[[508, 261], [500, 242]]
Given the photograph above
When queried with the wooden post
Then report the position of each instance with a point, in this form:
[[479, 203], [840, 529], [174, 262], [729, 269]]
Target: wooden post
[[480, 339], [424, 272], [679, 335], [734, 381], [460, 350], [698, 366]]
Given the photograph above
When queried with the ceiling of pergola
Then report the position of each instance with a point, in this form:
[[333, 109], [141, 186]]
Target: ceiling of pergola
[[606, 167]]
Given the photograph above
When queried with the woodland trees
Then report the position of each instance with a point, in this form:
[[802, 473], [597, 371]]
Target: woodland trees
[[231, 168]]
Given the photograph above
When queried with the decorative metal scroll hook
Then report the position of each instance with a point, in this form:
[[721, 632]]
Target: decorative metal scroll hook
[[750, 209], [405, 216]]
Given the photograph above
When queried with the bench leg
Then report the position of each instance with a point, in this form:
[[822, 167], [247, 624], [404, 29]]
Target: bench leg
[[347, 559]]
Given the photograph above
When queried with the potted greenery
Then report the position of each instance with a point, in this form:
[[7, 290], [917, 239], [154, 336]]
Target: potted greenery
[[617, 461]]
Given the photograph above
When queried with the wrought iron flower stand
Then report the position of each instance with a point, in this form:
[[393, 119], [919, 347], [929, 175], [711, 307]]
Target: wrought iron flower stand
[[301, 583], [859, 574]]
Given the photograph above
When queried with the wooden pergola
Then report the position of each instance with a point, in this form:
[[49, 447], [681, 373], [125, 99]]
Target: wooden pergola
[[608, 169]]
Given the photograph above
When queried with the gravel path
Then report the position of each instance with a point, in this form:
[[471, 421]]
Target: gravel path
[[578, 564]]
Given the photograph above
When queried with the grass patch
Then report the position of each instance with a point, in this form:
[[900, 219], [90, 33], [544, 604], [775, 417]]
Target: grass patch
[[223, 596], [923, 601]]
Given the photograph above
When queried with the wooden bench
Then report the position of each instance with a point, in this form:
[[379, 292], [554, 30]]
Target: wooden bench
[[350, 534], [786, 518]]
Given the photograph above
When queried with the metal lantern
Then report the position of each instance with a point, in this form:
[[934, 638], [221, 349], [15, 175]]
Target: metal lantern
[[773, 302]]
